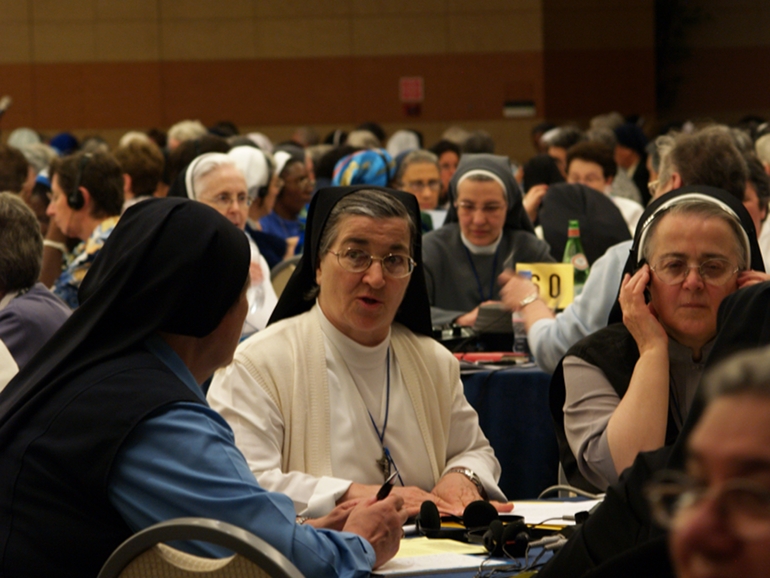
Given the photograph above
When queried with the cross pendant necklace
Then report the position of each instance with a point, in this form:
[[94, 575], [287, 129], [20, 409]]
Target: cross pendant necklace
[[385, 460], [384, 463]]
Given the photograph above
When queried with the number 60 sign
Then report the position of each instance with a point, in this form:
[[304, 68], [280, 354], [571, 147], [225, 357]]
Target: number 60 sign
[[554, 280]]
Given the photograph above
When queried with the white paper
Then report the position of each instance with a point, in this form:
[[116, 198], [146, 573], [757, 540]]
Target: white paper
[[537, 512], [433, 563]]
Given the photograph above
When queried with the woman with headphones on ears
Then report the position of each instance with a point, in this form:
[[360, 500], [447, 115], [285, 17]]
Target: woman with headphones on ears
[[628, 388], [86, 201]]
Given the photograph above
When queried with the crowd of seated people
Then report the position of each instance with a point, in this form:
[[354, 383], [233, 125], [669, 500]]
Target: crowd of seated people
[[337, 382]]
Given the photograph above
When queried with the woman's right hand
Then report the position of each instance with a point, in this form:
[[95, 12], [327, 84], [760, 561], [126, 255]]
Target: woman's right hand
[[640, 317], [380, 523]]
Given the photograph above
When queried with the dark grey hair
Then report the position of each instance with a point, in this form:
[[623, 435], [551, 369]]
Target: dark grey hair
[[21, 244], [367, 203], [707, 157], [704, 210], [419, 156]]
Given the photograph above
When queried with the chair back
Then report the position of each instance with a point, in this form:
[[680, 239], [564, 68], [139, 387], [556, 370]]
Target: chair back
[[145, 554], [282, 272]]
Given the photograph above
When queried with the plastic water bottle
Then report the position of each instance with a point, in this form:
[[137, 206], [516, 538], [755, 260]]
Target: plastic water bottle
[[520, 343]]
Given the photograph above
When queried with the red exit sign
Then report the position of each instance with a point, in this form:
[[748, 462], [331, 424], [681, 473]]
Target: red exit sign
[[411, 89]]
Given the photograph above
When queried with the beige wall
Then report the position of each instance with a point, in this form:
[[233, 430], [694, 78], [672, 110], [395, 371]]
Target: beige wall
[[111, 65], [148, 30]]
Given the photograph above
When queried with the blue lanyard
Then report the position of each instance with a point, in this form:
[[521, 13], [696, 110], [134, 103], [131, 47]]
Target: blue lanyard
[[381, 434], [478, 279]]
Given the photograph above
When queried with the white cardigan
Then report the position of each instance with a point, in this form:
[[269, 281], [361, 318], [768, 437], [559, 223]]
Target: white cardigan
[[288, 362]]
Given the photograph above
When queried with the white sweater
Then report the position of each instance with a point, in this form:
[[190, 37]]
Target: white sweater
[[297, 428]]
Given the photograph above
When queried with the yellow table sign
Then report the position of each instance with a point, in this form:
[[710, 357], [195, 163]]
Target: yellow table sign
[[554, 280]]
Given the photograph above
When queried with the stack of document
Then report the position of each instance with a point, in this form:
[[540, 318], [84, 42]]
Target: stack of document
[[429, 556]]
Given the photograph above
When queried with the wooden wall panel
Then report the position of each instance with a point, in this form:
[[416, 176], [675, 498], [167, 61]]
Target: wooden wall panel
[[724, 80], [106, 95], [584, 83]]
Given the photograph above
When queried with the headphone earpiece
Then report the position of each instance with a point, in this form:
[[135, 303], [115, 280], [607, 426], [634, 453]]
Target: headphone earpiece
[[75, 199], [477, 518], [429, 524], [507, 539]]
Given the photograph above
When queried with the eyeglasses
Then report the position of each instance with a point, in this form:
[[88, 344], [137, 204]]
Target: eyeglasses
[[673, 271], [223, 200], [419, 186], [591, 180], [745, 504], [393, 265], [468, 208]]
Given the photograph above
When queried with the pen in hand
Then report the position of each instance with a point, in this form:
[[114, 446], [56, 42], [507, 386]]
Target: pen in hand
[[384, 490]]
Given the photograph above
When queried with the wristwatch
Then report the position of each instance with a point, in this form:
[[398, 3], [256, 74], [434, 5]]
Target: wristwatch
[[471, 475]]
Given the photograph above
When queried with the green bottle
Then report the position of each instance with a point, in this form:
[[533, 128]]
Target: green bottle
[[573, 253]]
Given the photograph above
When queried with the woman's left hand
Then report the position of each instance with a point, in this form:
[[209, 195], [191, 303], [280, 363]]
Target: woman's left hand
[[639, 317], [459, 491], [748, 278], [334, 520]]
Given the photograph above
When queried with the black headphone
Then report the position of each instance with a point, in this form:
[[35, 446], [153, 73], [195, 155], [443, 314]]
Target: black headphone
[[75, 199], [262, 191], [509, 539], [476, 519]]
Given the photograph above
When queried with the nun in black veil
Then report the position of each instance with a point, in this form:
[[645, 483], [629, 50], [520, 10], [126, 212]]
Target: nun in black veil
[[629, 387], [345, 387], [106, 430]]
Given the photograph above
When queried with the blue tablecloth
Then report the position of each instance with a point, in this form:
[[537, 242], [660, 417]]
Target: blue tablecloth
[[513, 412]]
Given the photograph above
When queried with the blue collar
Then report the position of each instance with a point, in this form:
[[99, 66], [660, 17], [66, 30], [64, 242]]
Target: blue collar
[[163, 351]]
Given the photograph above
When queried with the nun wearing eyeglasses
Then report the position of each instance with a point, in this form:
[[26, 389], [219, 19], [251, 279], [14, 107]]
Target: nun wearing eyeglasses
[[486, 231], [216, 180], [345, 387], [628, 388]]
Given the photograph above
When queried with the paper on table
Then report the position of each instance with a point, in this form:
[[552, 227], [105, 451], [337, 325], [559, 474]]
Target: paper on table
[[426, 546], [537, 511], [426, 556]]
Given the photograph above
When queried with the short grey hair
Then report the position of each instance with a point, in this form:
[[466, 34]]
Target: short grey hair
[[419, 156], [762, 147], [367, 203], [21, 244], [704, 210], [746, 372], [187, 130], [363, 139], [707, 157]]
